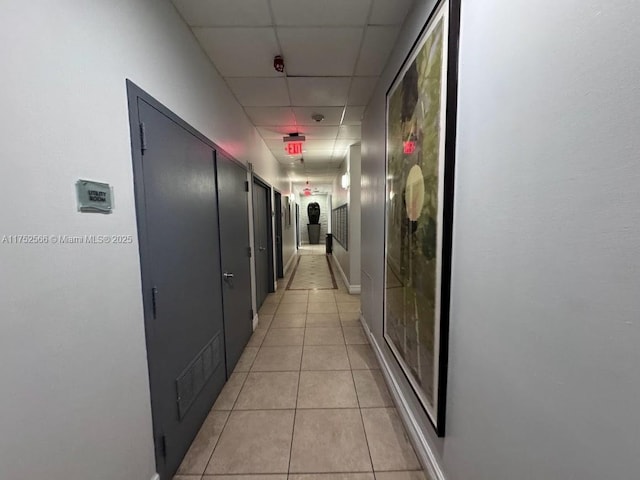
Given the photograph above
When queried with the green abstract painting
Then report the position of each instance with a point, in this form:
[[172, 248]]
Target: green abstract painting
[[414, 211]]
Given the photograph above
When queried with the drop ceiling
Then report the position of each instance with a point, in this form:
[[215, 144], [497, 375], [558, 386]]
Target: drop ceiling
[[333, 50]]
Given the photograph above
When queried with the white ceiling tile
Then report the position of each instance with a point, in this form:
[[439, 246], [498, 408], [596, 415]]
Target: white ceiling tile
[[361, 90], [265, 116], [320, 51], [317, 156], [210, 13], [349, 131], [276, 146], [377, 45], [312, 91], [275, 132], [332, 115], [353, 116], [320, 145], [260, 92], [314, 132], [320, 12], [389, 12], [240, 52]]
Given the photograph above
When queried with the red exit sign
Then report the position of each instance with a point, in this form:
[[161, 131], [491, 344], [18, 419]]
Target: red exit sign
[[293, 148], [409, 146]]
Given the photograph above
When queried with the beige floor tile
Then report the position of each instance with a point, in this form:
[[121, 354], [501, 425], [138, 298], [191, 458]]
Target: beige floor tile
[[264, 321], [292, 308], [323, 336], [268, 390], [329, 441], [187, 477], [348, 307], [277, 359], [349, 316], [230, 392], [291, 293], [257, 337], [327, 390], [415, 475], [271, 300], [332, 476], [388, 443], [268, 309], [333, 357], [286, 299], [347, 298], [322, 308], [362, 357], [244, 477], [197, 458], [289, 320], [254, 442], [246, 359], [277, 337], [354, 336], [323, 320], [372, 389], [321, 296]]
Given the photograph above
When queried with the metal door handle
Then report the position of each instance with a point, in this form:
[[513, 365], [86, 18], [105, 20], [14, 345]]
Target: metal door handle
[[227, 276], [262, 249]]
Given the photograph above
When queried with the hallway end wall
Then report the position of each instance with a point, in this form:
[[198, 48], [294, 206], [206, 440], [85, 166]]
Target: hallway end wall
[[73, 353], [544, 359]]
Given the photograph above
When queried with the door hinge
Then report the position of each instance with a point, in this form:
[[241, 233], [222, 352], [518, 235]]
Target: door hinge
[[246, 186], [143, 138], [162, 445], [154, 305], [249, 251]]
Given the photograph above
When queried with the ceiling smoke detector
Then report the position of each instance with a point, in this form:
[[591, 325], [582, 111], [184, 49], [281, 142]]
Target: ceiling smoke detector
[[317, 117], [278, 63]]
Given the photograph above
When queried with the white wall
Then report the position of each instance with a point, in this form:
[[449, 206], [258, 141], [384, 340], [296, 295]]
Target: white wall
[[349, 260], [75, 400], [544, 362]]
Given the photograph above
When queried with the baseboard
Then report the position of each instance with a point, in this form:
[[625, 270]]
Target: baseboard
[[353, 289], [423, 450], [155, 477], [290, 262], [256, 319]]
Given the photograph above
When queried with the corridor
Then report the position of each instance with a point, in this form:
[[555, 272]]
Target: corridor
[[307, 397]]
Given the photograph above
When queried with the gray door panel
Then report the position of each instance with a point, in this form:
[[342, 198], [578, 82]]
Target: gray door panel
[[261, 214], [182, 266], [233, 205]]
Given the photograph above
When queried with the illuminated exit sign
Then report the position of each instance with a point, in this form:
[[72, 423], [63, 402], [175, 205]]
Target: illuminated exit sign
[[293, 148]]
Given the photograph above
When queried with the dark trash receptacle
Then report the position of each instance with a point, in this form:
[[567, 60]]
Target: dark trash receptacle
[[329, 243]]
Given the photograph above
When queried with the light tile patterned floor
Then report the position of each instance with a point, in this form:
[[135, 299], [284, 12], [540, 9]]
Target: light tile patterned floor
[[306, 401]]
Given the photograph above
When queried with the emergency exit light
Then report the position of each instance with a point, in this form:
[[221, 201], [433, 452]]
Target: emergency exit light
[[293, 148]]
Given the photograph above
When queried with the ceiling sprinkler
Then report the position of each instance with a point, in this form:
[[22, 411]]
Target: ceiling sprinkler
[[317, 117]]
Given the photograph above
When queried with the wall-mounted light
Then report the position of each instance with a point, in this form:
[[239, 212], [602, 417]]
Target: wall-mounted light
[[345, 180]]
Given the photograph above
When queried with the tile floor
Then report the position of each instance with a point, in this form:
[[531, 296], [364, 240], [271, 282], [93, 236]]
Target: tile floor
[[306, 401]]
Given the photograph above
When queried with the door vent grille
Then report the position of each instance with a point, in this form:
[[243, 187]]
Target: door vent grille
[[196, 375]]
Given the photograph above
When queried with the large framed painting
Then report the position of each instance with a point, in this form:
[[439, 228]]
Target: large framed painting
[[420, 133]]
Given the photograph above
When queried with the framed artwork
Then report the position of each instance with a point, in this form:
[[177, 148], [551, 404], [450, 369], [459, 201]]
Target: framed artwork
[[420, 135]]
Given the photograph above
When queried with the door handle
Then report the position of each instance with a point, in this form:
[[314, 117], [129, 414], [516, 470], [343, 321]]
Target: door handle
[[227, 276], [262, 249]]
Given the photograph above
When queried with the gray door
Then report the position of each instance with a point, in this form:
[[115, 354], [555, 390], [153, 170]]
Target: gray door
[[278, 223], [262, 241], [233, 206], [182, 280]]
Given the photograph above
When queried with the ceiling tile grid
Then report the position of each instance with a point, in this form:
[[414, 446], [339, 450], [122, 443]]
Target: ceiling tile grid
[[333, 50]]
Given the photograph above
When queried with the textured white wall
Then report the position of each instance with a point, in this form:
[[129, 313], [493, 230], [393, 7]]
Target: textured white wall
[[75, 400], [544, 362]]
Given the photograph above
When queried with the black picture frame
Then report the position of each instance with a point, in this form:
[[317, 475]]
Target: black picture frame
[[450, 9]]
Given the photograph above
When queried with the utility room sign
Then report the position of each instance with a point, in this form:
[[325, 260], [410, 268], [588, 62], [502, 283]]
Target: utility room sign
[[94, 196]]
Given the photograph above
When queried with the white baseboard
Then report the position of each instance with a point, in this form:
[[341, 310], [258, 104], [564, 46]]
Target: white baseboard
[[424, 451], [155, 477], [256, 319], [353, 289], [291, 259]]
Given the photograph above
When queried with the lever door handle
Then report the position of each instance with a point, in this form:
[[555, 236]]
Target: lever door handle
[[262, 249], [227, 276]]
